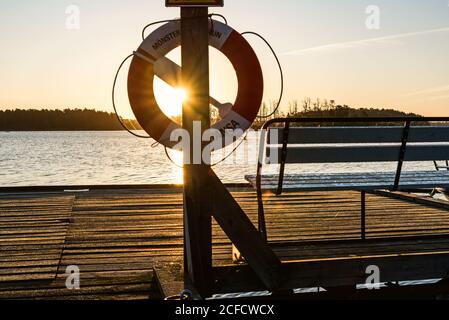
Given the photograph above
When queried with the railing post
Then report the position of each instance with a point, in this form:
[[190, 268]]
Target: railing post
[[283, 157], [404, 141], [260, 208]]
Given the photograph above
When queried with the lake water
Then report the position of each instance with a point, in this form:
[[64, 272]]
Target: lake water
[[99, 158]]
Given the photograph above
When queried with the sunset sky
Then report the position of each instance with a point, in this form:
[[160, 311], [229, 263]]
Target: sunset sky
[[325, 47]]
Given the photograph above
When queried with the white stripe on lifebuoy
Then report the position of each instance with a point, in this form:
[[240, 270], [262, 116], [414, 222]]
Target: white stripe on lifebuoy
[[232, 121], [219, 35], [149, 60]]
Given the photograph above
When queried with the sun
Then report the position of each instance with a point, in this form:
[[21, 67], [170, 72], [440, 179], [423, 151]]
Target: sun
[[170, 99], [180, 95], [170, 96]]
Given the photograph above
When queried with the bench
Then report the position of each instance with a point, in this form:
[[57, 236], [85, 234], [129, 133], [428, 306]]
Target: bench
[[397, 140]]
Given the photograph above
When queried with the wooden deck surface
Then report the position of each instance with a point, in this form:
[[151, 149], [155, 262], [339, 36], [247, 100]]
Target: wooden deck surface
[[116, 237]]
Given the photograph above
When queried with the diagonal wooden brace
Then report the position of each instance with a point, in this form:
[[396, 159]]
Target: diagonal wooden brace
[[244, 235]]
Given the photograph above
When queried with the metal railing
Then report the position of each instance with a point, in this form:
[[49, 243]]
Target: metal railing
[[287, 122]]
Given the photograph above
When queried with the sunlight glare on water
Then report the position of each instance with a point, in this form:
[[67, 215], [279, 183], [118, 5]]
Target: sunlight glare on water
[[102, 158]]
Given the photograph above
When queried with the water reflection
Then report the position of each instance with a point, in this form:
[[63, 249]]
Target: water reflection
[[98, 158], [176, 158]]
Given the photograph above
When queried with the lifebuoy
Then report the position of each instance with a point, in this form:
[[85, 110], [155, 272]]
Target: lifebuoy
[[151, 54]]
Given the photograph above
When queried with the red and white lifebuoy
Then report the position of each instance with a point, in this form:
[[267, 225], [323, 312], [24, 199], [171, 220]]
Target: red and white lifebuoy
[[166, 38]]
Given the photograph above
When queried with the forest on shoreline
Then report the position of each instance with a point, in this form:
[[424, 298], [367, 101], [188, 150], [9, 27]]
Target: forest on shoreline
[[93, 120], [322, 108], [61, 120]]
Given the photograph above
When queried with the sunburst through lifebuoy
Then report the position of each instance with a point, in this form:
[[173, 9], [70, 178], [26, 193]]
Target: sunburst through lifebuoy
[[149, 61]]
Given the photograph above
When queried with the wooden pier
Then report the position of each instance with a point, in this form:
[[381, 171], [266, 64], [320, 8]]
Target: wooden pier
[[128, 243]]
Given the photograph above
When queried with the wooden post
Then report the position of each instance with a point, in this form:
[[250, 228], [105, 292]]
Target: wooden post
[[204, 194], [363, 215], [197, 206]]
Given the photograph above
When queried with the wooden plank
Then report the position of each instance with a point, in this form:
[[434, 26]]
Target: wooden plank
[[170, 281], [357, 134], [353, 181], [32, 234], [118, 246], [425, 200], [83, 293], [356, 154], [339, 272]]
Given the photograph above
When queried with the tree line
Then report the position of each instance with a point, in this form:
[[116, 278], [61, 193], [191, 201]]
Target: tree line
[[93, 120], [308, 108], [61, 120]]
